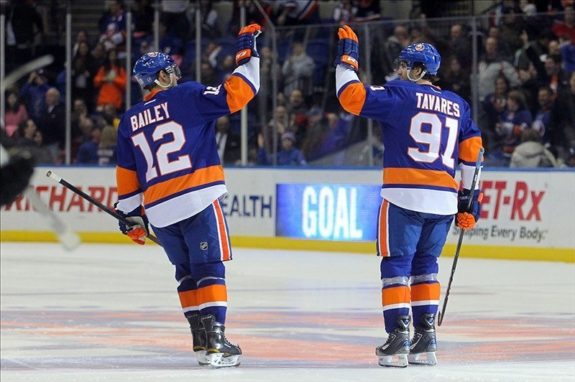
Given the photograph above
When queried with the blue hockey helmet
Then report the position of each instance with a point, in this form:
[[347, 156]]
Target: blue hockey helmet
[[422, 53], [147, 67]]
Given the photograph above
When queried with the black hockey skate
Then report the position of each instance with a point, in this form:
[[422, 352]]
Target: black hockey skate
[[219, 351], [200, 339], [423, 345], [395, 350]]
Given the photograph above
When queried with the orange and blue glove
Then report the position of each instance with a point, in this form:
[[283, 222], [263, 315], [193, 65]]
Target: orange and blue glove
[[469, 208], [347, 48], [246, 43], [138, 231]]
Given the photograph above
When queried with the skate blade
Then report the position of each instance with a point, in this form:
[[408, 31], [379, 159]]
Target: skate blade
[[396, 360], [218, 360], [428, 359], [202, 358]]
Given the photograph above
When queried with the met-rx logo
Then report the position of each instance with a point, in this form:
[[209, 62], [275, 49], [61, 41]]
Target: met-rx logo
[[514, 200]]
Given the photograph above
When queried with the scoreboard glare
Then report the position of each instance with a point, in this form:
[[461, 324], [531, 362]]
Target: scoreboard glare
[[327, 211]]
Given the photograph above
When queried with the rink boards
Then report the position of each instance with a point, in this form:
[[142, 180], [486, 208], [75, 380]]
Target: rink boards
[[526, 214]]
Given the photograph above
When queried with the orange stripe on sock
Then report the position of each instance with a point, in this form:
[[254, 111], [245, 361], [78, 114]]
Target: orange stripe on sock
[[424, 292], [188, 298], [395, 295], [212, 293]]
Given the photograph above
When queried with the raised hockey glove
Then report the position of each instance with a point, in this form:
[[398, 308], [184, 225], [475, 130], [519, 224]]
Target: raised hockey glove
[[138, 231], [468, 214], [246, 43], [347, 48], [15, 176]]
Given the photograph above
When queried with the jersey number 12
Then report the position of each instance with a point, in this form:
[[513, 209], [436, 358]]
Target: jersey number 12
[[161, 156]]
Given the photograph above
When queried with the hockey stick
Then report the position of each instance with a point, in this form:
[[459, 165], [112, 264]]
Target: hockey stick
[[74, 189], [68, 238], [28, 67], [441, 313]]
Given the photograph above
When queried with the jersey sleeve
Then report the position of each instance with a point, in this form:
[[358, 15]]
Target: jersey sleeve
[[358, 99], [129, 189], [232, 95], [469, 145]]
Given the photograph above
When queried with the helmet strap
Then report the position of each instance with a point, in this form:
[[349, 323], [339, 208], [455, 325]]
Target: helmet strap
[[423, 73], [171, 84]]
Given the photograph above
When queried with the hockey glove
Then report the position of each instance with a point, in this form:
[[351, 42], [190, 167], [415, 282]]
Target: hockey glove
[[246, 43], [138, 231], [468, 215], [347, 48], [15, 176]]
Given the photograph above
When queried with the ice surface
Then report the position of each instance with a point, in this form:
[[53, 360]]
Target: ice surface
[[110, 313]]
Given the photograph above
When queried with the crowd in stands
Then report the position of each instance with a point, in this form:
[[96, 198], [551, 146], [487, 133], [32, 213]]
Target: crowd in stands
[[525, 77]]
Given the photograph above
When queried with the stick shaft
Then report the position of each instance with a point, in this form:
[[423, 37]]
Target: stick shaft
[[460, 239], [104, 208]]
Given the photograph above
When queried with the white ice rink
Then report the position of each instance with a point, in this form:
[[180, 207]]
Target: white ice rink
[[110, 313]]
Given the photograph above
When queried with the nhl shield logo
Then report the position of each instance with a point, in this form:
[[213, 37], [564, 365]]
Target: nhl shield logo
[[204, 245], [419, 47]]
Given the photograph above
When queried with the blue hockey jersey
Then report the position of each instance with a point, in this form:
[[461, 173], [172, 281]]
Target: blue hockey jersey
[[167, 153], [427, 133]]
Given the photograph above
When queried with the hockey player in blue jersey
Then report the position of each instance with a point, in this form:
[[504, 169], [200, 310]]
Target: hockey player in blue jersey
[[169, 172], [427, 133]]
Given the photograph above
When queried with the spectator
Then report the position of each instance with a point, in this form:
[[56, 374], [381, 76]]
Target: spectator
[[289, 155], [510, 31], [209, 20], [514, 120], [175, 18], [33, 93], [25, 24], [297, 114], [229, 144], [392, 46], [111, 82], [15, 113], [143, 14], [53, 122], [542, 119], [459, 45], [343, 12], [252, 12], [562, 120], [107, 148], [491, 66], [492, 106], [301, 12], [88, 151], [83, 71], [81, 37], [112, 26], [568, 54], [456, 79], [298, 70], [531, 152], [565, 30], [30, 138], [366, 10], [554, 75]]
